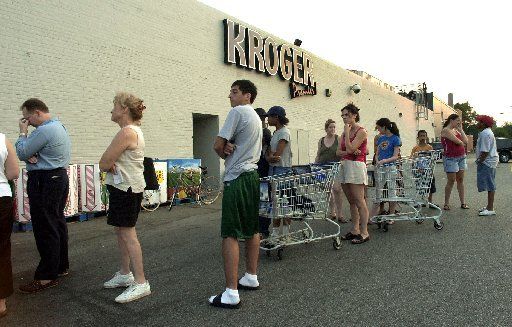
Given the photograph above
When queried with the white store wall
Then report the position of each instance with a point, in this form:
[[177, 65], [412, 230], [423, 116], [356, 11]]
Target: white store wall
[[75, 55]]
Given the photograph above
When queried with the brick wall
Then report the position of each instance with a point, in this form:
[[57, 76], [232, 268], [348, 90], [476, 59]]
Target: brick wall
[[75, 54]]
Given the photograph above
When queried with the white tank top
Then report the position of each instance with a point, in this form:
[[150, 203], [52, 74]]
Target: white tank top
[[5, 189], [130, 165]]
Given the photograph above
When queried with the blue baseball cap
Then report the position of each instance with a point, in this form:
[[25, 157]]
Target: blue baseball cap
[[276, 111]]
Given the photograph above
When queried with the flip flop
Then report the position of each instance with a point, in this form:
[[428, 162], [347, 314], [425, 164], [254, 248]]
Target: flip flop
[[349, 236], [247, 288], [360, 239], [446, 207], [342, 221], [464, 206], [216, 302]]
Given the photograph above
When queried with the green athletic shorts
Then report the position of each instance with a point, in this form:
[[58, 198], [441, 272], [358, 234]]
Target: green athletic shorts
[[240, 206]]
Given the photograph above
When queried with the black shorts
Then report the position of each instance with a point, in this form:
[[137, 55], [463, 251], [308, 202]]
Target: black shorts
[[124, 207]]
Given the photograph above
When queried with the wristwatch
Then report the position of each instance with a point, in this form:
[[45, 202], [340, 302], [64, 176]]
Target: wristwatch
[[23, 134]]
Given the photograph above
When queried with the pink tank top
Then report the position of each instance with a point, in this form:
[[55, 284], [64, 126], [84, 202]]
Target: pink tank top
[[452, 150], [360, 157]]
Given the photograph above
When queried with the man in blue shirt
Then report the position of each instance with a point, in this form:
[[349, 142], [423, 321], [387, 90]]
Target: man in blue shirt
[[46, 152]]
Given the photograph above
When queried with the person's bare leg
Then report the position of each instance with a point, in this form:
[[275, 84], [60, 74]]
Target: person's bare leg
[[231, 255], [450, 180], [459, 177], [123, 251], [252, 253], [337, 197], [357, 192], [129, 236], [490, 200], [353, 209], [3, 306]]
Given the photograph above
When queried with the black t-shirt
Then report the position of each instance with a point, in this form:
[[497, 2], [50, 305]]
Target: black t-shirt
[[263, 165]]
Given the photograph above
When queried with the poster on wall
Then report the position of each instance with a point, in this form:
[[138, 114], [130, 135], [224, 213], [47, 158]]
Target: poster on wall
[[71, 207], [23, 206], [89, 179], [183, 178]]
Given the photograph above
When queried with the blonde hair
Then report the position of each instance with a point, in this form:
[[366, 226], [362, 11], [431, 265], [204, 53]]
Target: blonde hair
[[134, 104]]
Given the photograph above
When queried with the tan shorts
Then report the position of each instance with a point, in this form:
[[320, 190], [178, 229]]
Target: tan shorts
[[352, 172]]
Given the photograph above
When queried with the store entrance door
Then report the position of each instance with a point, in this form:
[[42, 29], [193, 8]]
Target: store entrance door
[[205, 130]]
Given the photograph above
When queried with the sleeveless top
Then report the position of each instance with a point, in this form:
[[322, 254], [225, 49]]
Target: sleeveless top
[[452, 150], [5, 189], [130, 165], [328, 154], [352, 157]]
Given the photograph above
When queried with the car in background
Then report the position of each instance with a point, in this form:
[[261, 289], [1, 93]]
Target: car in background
[[504, 147]]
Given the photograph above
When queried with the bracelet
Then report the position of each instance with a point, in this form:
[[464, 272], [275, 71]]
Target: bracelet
[[23, 134]]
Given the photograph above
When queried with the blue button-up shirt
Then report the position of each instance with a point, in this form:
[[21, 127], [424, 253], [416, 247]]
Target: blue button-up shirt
[[49, 142]]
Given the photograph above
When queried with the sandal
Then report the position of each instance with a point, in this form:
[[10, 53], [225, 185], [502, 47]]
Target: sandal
[[360, 240], [349, 236], [216, 302], [446, 207], [342, 220], [464, 206]]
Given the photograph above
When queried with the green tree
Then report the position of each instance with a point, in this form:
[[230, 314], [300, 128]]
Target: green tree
[[468, 114]]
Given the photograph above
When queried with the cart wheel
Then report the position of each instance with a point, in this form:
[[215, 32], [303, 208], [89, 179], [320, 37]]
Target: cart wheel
[[280, 254], [439, 225], [336, 243], [385, 227], [420, 221]]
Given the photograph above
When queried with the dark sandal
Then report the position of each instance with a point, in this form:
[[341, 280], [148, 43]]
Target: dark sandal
[[342, 220], [247, 288], [464, 206], [446, 207], [217, 303], [349, 236], [360, 240]]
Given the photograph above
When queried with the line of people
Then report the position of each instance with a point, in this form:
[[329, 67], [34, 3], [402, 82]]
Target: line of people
[[249, 150]]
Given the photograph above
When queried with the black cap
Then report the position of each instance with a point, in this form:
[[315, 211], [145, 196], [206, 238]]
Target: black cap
[[261, 112], [277, 111]]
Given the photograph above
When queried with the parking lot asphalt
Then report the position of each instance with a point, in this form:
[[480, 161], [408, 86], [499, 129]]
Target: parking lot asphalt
[[413, 275]]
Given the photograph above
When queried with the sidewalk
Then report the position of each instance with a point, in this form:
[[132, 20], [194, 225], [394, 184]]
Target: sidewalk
[[412, 275]]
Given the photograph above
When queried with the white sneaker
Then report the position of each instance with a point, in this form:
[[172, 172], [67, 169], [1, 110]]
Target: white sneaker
[[482, 209], [119, 280], [133, 292], [486, 212]]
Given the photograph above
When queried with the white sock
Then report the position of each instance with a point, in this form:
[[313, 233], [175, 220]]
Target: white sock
[[230, 296], [249, 280]]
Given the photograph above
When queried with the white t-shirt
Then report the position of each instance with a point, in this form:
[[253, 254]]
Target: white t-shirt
[[243, 128], [487, 143], [286, 156], [5, 189]]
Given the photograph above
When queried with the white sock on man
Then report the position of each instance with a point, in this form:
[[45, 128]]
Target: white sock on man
[[230, 296], [249, 280]]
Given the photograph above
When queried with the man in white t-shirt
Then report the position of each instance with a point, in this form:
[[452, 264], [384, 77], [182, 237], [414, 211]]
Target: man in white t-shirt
[[487, 161], [239, 144]]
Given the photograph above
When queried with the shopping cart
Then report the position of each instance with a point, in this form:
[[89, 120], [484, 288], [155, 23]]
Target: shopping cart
[[407, 182], [302, 197]]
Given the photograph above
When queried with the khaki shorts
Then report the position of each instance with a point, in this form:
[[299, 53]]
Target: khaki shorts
[[352, 172]]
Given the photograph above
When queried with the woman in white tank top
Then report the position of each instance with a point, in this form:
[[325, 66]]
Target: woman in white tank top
[[123, 162], [9, 170]]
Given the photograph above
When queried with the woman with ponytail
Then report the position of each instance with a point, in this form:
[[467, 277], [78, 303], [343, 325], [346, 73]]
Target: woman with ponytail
[[388, 151]]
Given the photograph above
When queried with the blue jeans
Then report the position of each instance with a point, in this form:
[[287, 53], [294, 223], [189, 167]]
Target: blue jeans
[[453, 165], [485, 178]]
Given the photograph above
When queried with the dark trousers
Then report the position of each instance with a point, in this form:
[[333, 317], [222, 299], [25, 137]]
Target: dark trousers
[[47, 192], [6, 219]]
